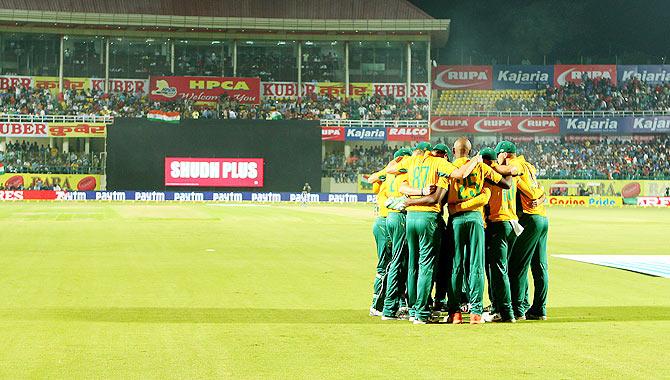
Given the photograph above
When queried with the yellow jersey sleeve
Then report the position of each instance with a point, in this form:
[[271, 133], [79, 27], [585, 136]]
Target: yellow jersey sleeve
[[446, 168], [532, 193], [475, 203], [491, 174], [375, 187]]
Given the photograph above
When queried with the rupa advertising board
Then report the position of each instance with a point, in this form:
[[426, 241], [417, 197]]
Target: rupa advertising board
[[564, 74], [496, 124], [463, 78]]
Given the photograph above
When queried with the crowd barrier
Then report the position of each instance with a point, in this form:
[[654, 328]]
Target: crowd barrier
[[271, 197], [187, 196]]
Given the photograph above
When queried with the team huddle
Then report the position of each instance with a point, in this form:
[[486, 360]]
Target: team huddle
[[496, 231]]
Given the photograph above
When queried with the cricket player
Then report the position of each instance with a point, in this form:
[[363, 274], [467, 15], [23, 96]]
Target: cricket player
[[379, 230], [424, 171], [395, 303], [468, 229], [501, 230], [530, 249]]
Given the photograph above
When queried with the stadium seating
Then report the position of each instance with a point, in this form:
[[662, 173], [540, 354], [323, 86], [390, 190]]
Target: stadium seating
[[613, 158], [453, 102]]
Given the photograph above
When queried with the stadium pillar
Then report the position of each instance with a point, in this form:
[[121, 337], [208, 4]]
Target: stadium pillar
[[60, 65], [347, 150], [409, 70], [299, 69], [429, 71], [172, 57], [3, 144], [235, 58], [87, 145], [66, 145], [429, 65], [107, 65], [346, 68], [51, 142]]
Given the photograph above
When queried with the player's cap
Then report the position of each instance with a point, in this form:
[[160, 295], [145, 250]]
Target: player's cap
[[401, 152], [505, 147], [441, 147], [488, 153], [422, 146]]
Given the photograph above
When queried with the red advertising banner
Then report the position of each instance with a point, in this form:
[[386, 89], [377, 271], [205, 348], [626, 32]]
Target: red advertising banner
[[20, 129], [463, 78], [205, 89], [564, 74], [653, 201], [407, 134], [214, 172], [332, 133], [495, 124]]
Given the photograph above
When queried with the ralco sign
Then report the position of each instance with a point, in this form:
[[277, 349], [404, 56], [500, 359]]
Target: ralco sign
[[214, 172], [407, 134]]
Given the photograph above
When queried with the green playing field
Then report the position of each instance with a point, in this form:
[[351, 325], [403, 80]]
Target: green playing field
[[118, 290]]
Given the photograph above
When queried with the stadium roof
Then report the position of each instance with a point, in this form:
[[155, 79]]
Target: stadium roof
[[286, 9], [172, 17]]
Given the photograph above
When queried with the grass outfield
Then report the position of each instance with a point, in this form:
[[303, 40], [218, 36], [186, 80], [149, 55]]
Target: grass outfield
[[197, 290]]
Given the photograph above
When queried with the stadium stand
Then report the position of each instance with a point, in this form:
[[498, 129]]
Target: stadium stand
[[89, 103], [609, 158], [590, 95]]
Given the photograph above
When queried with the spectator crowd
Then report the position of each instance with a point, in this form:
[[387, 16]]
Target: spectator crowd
[[611, 158], [24, 157], [42, 102], [594, 95]]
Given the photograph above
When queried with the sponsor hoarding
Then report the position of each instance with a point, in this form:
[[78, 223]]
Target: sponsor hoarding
[[365, 134], [408, 134], [187, 196], [522, 77], [95, 84], [23, 129], [496, 124], [564, 74], [653, 201], [214, 172], [282, 90], [615, 125], [605, 187], [81, 182], [652, 74], [586, 201], [463, 78], [332, 133], [205, 89]]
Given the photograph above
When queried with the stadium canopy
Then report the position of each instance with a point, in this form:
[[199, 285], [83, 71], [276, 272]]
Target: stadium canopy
[[336, 19]]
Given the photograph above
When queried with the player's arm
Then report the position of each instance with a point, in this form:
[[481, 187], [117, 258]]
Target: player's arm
[[406, 189], [396, 165], [532, 193], [376, 177], [475, 203], [536, 202], [428, 200], [507, 170], [465, 170]]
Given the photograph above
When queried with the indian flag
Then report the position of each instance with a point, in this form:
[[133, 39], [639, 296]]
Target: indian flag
[[166, 117], [2, 168]]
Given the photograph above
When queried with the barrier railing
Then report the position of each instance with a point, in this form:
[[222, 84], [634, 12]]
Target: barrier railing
[[56, 119], [556, 113], [373, 123]]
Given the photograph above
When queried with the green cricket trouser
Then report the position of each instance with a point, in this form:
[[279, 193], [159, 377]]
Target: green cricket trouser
[[468, 264], [444, 262], [383, 258], [396, 276], [500, 238], [423, 241], [530, 250]]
